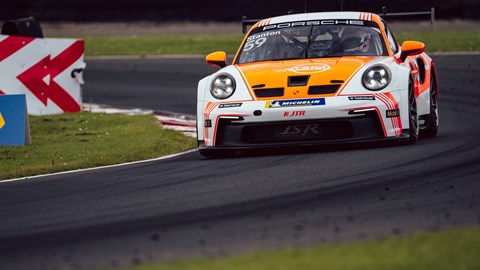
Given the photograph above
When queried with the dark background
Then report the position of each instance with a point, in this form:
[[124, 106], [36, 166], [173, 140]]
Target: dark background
[[215, 10]]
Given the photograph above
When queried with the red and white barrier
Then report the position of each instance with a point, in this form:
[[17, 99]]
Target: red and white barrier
[[181, 123], [47, 70], [185, 124]]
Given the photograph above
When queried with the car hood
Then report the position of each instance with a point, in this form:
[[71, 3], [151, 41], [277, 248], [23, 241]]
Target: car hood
[[296, 76]]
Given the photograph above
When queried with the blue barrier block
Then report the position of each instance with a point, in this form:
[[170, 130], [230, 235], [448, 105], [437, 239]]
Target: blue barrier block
[[14, 125]]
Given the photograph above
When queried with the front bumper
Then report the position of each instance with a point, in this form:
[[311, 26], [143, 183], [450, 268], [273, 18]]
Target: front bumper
[[234, 134], [237, 135], [342, 119]]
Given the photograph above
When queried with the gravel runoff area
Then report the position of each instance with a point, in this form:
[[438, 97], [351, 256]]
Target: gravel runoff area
[[151, 28]]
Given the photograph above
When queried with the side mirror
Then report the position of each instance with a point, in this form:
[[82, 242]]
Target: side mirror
[[411, 48], [218, 59]]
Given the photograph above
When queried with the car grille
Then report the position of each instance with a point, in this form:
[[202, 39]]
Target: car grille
[[234, 133], [297, 81], [323, 89], [269, 92], [298, 131]]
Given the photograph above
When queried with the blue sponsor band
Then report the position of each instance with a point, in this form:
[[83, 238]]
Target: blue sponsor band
[[295, 102]]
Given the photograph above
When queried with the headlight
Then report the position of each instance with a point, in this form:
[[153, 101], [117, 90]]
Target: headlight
[[376, 77], [223, 86]]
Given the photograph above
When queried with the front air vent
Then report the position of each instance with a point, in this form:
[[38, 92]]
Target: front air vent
[[323, 89], [298, 80], [259, 86], [269, 92]]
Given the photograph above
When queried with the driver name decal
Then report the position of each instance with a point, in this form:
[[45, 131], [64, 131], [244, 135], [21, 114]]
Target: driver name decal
[[263, 35]]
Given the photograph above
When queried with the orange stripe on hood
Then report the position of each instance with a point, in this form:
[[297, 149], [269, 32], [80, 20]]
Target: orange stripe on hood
[[274, 74]]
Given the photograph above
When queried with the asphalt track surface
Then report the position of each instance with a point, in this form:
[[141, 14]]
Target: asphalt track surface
[[189, 206], [162, 84]]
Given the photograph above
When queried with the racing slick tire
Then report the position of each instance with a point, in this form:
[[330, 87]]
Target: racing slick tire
[[431, 120], [412, 116]]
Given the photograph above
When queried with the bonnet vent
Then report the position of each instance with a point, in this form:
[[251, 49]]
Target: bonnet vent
[[298, 80]]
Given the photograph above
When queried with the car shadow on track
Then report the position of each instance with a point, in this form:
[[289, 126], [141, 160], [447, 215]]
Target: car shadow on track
[[298, 150]]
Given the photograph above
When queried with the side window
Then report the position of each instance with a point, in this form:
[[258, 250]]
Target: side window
[[391, 39]]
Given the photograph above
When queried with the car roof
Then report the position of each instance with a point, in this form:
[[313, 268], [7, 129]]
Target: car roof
[[339, 15]]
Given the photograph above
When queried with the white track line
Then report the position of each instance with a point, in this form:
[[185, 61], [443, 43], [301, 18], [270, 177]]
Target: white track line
[[99, 168], [186, 125]]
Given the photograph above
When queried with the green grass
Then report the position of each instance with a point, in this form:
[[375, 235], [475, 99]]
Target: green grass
[[82, 140], [436, 41], [444, 41], [161, 44], [456, 249]]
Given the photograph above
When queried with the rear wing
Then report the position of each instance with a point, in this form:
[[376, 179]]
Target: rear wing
[[384, 14], [247, 22]]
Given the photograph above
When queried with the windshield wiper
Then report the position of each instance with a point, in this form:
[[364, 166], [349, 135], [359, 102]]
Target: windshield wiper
[[308, 41], [301, 44]]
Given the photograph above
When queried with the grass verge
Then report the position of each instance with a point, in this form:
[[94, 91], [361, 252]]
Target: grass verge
[[436, 41], [161, 44], [454, 249], [83, 140], [444, 41]]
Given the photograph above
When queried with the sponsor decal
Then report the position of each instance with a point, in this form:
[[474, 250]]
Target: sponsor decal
[[393, 113], [362, 98], [263, 35], [230, 105], [294, 103], [299, 131], [307, 23], [294, 114], [306, 68]]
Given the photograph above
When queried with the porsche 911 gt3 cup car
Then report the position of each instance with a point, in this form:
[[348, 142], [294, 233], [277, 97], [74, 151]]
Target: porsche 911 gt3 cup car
[[317, 78]]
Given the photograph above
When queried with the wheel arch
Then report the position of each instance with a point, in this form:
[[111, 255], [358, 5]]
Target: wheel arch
[[201, 89], [421, 69], [433, 72]]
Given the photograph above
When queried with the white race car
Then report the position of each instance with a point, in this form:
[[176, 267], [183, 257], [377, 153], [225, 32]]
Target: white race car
[[317, 78]]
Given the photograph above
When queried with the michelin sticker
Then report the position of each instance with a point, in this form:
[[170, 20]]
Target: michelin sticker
[[294, 103]]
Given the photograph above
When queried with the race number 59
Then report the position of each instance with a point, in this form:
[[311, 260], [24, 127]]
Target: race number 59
[[254, 43]]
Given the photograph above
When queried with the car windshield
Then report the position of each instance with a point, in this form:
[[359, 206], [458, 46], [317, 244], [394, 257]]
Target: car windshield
[[311, 41]]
